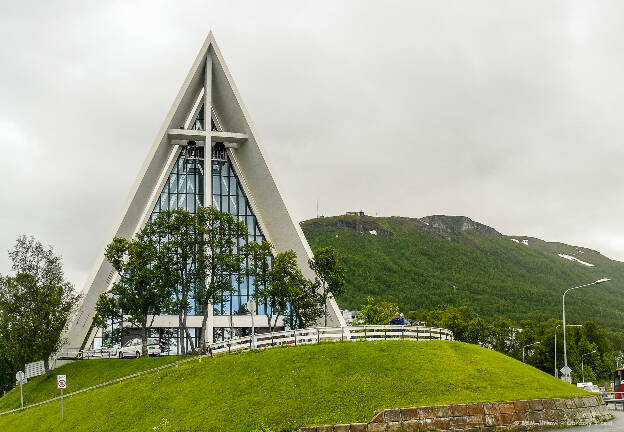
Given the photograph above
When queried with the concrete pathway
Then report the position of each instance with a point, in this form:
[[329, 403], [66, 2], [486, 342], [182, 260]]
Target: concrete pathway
[[615, 425]]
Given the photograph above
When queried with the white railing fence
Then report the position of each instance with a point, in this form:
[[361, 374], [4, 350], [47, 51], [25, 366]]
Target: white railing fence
[[294, 337]]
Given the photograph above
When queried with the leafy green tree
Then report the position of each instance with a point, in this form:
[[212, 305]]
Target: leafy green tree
[[502, 335], [218, 257], [284, 288], [107, 310], [458, 320], [259, 271], [140, 291], [330, 273], [287, 285], [477, 331], [180, 261], [35, 303], [377, 313], [7, 365], [306, 302]]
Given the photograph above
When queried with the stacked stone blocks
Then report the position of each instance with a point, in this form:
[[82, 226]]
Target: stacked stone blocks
[[517, 415]]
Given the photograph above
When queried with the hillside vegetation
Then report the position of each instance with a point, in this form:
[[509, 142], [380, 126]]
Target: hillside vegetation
[[421, 263], [288, 387]]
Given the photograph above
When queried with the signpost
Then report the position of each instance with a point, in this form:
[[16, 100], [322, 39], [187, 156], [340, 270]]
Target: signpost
[[61, 383], [20, 376], [251, 306], [566, 373]]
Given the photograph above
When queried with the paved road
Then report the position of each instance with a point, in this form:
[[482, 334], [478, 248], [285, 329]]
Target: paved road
[[615, 425]]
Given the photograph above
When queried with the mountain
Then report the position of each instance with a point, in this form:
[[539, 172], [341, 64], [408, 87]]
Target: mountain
[[421, 263]]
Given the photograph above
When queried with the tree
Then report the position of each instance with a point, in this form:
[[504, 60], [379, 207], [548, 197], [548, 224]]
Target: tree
[[37, 302], [180, 261], [330, 273], [140, 290], [377, 313], [259, 272], [503, 335], [465, 324], [107, 310], [477, 331], [7, 366], [280, 283], [218, 257], [305, 301], [286, 286]]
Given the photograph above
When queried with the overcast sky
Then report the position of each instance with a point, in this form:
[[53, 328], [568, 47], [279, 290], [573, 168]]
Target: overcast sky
[[510, 113]]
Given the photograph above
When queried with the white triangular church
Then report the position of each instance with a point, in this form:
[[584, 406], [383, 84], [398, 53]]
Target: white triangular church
[[234, 176]]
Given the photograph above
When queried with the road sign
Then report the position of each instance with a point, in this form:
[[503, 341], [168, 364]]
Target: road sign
[[61, 381], [251, 306], [19, 377], [566, 370]]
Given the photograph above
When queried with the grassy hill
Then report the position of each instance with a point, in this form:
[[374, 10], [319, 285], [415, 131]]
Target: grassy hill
[[81, 375], [420, 263], [285, 388]]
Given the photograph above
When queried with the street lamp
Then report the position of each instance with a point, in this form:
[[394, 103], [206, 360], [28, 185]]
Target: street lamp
[[582, 368], [566, 370], [556, 327], [526, 346]]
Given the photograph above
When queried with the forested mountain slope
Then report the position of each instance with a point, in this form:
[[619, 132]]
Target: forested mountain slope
[[421, 263]]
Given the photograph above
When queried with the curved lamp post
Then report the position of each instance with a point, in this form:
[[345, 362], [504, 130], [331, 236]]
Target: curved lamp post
[[582, 368], [565, 353], [526, 346]]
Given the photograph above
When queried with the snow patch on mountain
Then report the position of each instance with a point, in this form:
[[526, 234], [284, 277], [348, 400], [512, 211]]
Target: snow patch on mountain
[[571, 258]]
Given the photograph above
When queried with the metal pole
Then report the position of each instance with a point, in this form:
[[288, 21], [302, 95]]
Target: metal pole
[[253, 333], [565, 352], [526, 346], [62, 414], [21, 394], [582, 358], [556, 370]]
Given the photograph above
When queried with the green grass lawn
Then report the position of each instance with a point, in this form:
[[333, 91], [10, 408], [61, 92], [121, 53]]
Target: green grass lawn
[[284, 388], [80, 375]]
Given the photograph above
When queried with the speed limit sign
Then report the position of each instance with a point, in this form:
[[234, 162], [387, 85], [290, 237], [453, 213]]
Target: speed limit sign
[[61, 381]]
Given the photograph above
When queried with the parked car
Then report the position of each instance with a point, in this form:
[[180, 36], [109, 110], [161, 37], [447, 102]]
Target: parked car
[[592, 388], [134, 347]]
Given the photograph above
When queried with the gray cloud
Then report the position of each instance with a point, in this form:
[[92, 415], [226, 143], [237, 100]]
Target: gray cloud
[[507, 112]]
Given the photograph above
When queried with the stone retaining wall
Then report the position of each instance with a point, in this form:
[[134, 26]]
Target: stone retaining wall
[[491, 416]]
